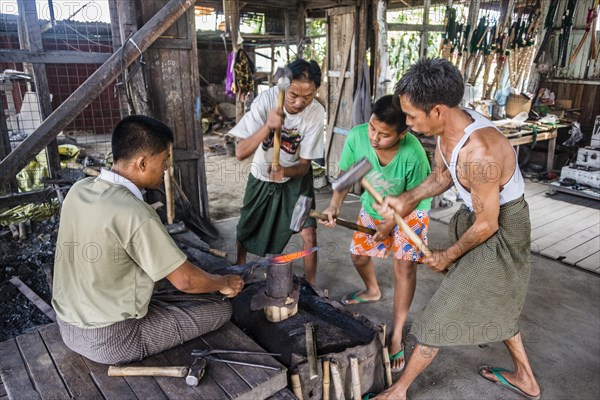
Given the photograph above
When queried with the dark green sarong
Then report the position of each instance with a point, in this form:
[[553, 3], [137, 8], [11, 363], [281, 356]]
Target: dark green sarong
[[266, 213], [481, 298]]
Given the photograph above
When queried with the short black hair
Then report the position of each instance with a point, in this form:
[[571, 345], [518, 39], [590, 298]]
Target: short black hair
[[306, 71], [430, 82], [390, 113], [138, 133]]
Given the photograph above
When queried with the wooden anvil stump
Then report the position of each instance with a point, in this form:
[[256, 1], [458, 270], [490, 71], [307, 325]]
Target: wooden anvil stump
[[348, 349], [279, 299]]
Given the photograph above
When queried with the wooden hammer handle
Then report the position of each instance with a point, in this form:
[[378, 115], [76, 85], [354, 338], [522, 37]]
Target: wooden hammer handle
[[399, 220], [277, 135], [343, 222], [177, 372]]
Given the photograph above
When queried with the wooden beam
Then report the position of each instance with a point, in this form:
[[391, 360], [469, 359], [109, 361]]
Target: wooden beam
[[89, 90], [53, 57], [37, 196], [31, 39], [414, 27]]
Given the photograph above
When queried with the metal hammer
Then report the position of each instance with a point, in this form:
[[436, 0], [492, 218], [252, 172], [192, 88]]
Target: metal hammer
[[356, 173], [192, 374], [284, 81], [302, 211]]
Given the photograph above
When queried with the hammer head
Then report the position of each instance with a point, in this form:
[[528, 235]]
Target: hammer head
[[284, 78], [300, 214], [354, 174], [196, 372]]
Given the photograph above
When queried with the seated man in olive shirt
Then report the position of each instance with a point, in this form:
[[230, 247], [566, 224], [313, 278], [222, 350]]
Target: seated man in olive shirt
[[112, 248]]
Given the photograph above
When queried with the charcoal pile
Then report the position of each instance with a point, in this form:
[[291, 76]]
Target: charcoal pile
[[31, 260]]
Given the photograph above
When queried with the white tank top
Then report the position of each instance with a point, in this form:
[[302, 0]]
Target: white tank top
[[514, 188]]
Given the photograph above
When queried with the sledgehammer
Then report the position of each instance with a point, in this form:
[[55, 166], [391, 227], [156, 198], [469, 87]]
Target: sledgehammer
[[302, 211], [356, 173]]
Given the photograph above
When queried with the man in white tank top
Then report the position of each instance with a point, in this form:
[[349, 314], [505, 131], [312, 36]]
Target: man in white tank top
[[475, 157]]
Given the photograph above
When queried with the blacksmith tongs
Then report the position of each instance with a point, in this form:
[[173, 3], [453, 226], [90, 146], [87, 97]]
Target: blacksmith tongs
[[209, 355]]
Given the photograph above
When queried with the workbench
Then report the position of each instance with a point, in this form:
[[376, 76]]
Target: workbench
[[517, 137], [525, 135]]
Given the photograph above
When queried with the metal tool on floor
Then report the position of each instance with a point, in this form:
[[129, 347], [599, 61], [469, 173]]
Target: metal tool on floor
[[195, 371], [192, 374], [302, 211], [210, 356]]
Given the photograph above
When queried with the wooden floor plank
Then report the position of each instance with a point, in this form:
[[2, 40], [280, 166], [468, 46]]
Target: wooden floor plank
[[112, 387], [70, 365], [565, 233], [264, 382], [591, 263], [46, 378], [566, 214], [544, 205], [532, 200], [582, 251], [16, 380], [558, 244], [208, 388], [145, 388], [533, 188]]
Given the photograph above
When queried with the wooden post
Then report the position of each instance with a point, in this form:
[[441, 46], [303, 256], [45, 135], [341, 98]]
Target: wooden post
[[381, 56], [232, 19], [425, 31], [338, 388], [136, 94], [325, 379], [88, 91], [301, 28], [296, 386], [11, 184], [117, 42], [355, 376], [30, 38], [388, 367]]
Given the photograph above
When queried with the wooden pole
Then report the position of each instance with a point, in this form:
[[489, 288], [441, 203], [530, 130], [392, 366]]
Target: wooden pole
[[388, 367], [325, 379], [355, 375], [296, 386], [169, 193], [88, 91], [338, 388]]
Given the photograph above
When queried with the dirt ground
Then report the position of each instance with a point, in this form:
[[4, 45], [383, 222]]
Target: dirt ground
[[226, 179]]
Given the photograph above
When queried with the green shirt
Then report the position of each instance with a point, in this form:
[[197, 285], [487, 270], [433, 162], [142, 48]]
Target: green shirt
[[409, 167], [111, 248]]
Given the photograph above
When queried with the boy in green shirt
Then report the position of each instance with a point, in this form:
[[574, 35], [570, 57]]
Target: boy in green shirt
[[399, 164]]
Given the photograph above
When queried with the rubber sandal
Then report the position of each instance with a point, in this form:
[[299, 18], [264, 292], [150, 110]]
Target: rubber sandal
[[396, 356], [503, 382], [359, 300]]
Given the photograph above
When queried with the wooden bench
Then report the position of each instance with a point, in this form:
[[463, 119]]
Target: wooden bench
[[38, 365]]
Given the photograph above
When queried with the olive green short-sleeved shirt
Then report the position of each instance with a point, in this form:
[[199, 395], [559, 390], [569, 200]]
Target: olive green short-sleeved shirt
[[111, 249]]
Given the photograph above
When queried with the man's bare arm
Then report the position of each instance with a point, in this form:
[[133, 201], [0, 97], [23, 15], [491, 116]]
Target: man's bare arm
[[485, 194], [188, 278], [246, 147], [436, 183]]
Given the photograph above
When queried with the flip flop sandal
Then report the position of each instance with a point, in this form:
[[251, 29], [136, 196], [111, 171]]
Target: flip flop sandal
[[359, 300], [395, 357], [503, 382]]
